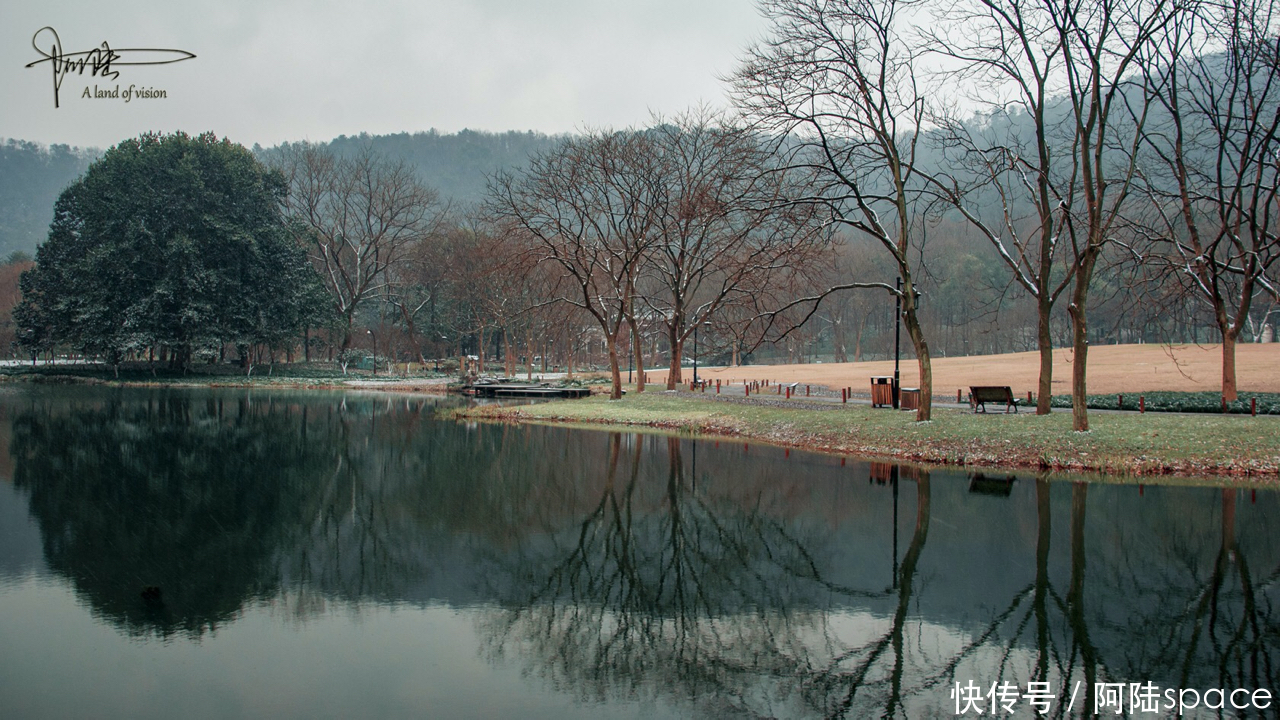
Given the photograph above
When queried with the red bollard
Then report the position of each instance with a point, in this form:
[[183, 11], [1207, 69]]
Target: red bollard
[[1253, 407], [788, 393], [747, 389], [957, 395], [806, 391], [1142, 404], [1119, 402], [844, 395], [1224, 403], [1028, 397]]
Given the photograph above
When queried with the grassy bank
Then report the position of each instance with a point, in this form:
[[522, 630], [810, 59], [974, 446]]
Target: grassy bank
[[1119, 444]]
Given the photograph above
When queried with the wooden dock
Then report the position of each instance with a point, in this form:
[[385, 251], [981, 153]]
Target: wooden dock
[[518, 390]]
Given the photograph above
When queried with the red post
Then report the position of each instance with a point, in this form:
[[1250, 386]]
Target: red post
[[1224, 403], [1142, 404], [1028, 397], [844, 395], [1119, 402], [788, 393], [1253, 407], [747, 388], [806, 391], [957, 395]]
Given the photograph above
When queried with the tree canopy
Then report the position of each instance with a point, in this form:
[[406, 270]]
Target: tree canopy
[[168, 241]]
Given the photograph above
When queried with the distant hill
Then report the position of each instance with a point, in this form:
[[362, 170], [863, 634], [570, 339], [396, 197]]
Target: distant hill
[[31, 178], [457, 165]]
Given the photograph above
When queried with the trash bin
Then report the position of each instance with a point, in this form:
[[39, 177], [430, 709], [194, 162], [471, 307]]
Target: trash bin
[[909, 399], [882, 391]]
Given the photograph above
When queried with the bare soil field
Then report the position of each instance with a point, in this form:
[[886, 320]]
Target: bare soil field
[[1112, 369]]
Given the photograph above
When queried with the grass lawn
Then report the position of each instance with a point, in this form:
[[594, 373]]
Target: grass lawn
[[1123, 444]]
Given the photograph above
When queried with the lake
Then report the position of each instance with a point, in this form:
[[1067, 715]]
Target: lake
[[232, 553]]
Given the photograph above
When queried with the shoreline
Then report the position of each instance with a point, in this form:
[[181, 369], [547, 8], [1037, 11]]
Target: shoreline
[[1123, 447], [1131, 449]]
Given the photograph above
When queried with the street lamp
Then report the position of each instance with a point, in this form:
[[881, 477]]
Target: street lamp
[[695, 349], [897, 334], [375, 351]]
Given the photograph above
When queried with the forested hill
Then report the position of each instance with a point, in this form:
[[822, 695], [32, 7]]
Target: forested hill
[[33, 175], [457, 165], [31, 178]]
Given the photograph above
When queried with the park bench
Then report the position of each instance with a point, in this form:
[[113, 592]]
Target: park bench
[[980, 395]]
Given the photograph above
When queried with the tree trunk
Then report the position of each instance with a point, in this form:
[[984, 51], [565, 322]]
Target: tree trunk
[[1229, 392], [674, 377], [615, 372], [1044, 341], [509, 367], [912, 323], [1080, 342]]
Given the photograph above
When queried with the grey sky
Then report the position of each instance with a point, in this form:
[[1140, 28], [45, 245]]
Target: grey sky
[[271, 71]]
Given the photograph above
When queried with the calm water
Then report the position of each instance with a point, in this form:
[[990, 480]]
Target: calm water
[[247, 554]]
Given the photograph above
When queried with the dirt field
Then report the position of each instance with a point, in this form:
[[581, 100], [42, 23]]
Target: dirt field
[[1112, 369]]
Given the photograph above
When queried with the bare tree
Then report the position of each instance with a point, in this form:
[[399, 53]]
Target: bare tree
[[720, 223], [1103, 43], [1214, 176], [583, 207], [837, 79], [1005, 158], [358, 215]]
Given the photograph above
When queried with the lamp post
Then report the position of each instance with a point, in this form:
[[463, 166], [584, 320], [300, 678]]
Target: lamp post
[[374, 335], [897, 333], [695, 349]]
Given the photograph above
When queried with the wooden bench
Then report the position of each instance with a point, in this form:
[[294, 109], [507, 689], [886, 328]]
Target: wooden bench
[[980, 395]]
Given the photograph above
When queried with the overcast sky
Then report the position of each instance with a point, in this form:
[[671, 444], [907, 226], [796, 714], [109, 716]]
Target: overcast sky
[[269, 71]]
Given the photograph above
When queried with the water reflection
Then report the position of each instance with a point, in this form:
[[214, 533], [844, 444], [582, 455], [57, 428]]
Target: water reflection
[[723, 578], [194, 498]]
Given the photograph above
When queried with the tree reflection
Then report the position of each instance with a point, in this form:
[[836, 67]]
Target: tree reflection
[[189, 497], [612, 568], [704, 598], [1204, 624]]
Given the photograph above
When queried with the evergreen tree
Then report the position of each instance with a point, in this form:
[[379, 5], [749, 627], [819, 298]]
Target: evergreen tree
[[168, 241]]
